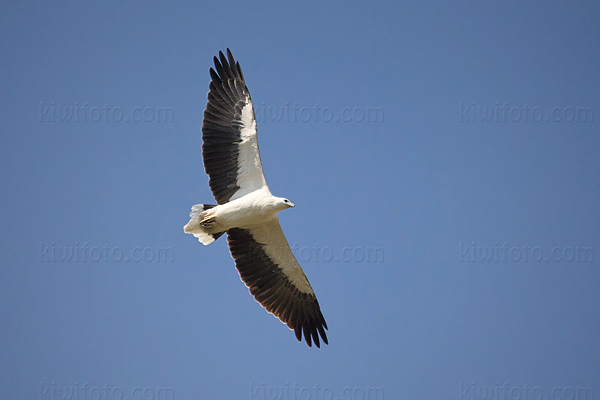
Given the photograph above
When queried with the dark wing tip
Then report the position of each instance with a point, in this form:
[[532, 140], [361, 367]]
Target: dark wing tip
[[274, 291], [230, 58], [307, 336], [298, 331], [214, 76], [227, 67], [222, 58], [310, 323], [322, 332], [240, 71]]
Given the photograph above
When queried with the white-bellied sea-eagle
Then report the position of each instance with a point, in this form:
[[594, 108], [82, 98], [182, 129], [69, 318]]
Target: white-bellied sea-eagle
[[246, 210]]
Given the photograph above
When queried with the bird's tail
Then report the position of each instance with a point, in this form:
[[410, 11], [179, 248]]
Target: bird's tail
[[201, 230]]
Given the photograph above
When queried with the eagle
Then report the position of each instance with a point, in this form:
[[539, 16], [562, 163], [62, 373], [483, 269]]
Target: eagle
[[246, 210]]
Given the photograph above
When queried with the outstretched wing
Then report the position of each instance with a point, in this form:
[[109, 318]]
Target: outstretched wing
[[269, 269], [230, 148]]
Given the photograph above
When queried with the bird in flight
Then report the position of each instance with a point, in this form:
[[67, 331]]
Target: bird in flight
[[246, 210]]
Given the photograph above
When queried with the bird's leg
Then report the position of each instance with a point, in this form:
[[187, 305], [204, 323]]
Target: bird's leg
[[208, 222]]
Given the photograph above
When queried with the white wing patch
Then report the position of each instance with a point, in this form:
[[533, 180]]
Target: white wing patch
[[271, 236], [250, 172]]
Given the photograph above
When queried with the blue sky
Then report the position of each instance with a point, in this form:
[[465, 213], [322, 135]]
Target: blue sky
[[444, 160]]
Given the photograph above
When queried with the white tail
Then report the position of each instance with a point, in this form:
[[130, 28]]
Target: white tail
[[196, 229]]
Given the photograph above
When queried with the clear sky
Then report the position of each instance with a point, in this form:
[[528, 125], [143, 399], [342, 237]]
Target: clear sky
[[444, 159]]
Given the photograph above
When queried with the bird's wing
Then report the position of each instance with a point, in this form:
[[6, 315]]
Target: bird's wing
[[230, 148], [269, 269]]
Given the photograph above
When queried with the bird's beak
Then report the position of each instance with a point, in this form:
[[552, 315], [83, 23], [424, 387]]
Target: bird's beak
[[292, 205]]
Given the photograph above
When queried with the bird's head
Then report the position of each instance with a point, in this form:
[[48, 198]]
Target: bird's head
[[283, 203]]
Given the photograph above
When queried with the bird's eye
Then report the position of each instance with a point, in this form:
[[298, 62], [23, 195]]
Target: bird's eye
[[286, 201]]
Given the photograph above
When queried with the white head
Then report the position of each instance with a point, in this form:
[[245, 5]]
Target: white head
[[282, 203]]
